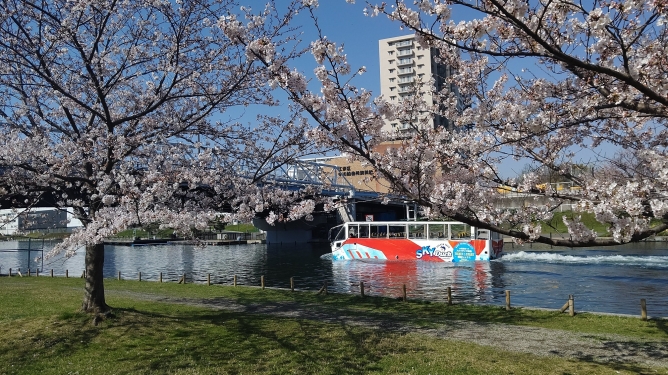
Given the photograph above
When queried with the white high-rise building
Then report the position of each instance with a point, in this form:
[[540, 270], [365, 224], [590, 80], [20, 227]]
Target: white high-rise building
[[405, 70]]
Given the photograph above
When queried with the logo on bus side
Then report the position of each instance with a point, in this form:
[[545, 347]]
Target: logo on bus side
[[443, 251]]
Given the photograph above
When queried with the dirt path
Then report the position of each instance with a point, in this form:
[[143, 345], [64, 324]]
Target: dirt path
[[607, 348]]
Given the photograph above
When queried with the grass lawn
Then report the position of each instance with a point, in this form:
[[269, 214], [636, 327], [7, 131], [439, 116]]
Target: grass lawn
[[241, 227], [556, 224], [43, 333]]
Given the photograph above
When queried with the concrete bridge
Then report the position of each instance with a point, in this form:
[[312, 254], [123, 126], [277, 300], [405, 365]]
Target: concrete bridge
[[356, 204]]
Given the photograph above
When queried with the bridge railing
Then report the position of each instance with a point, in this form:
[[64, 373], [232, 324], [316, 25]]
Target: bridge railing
[[302, 173]]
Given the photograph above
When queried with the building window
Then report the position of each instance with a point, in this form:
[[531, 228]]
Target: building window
[[392, 79], [391, 62], [420, 66], [420, 57], [390, 53], [391, 71], [393, 98]]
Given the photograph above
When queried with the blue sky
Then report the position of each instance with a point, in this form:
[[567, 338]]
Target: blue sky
[[346, 24]]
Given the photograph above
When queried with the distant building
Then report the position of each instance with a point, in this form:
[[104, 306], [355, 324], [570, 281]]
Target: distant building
[[405, 69], [36, 220], [358, 175]]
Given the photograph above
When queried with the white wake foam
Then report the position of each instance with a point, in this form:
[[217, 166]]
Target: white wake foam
[[547, 257]]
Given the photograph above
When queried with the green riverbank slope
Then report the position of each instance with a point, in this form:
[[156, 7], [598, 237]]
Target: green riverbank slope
[[197, 329]]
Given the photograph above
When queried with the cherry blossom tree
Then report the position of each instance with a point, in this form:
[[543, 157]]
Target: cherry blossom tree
[[543, 81], [125, 113]]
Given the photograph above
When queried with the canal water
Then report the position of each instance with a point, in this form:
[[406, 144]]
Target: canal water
[[611, 280]]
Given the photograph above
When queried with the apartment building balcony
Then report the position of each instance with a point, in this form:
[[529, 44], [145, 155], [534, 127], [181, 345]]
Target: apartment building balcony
[[405, 52], [405, 61], [404, 43]]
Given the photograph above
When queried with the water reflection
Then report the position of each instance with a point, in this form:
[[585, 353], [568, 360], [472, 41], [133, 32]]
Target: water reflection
[[222, 263], [23, 255], [469, 281]]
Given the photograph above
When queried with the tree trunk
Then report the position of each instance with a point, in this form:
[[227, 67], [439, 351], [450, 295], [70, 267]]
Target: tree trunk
[[94, 293]]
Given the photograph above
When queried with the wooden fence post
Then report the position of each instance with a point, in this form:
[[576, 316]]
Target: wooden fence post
[[184, 279], [323, 290], [404, 292], [449, 295], [208, 279], [139, 275], [507, 299], [10, 272], [119, 275], [643, 309], [37, 272], [362, 288], [262, 281], [160, 277], [67, 274], [28, 272], [235, 280], [52, 272], [292, 284], [571, 305]]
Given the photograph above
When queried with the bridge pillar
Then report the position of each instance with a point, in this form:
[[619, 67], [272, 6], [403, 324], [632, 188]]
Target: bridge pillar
[[289, 236], [299, 231]]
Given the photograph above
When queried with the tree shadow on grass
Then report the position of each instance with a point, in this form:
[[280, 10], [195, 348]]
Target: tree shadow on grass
[[623, 356], [247, 342], [661, 324], [50, 339]]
